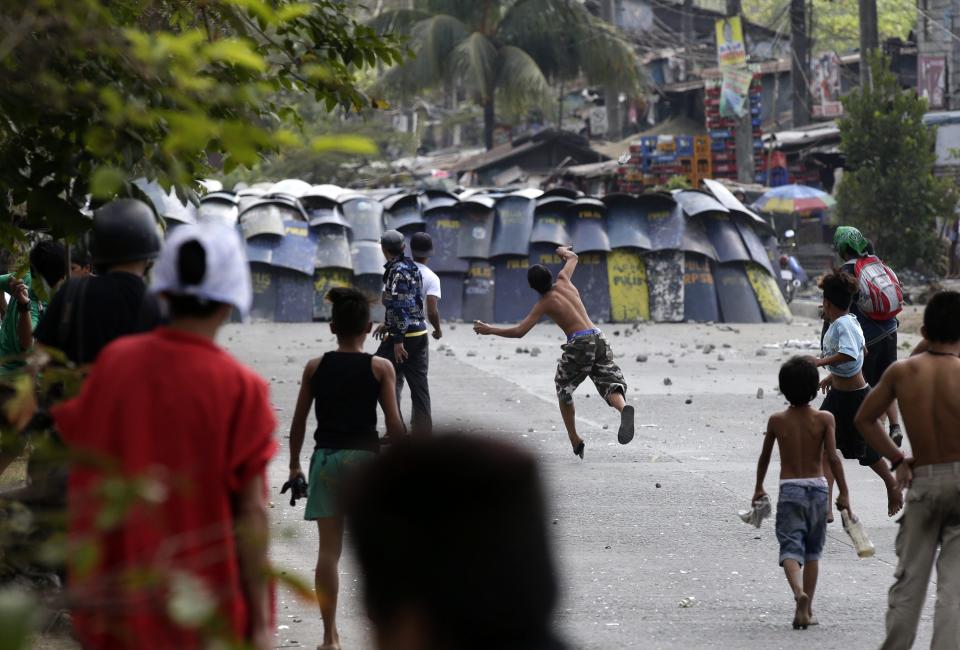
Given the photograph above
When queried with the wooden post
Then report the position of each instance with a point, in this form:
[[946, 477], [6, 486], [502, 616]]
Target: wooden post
[[799, 74]]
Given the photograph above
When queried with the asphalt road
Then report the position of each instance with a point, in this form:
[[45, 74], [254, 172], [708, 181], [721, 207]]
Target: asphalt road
[[636, 528]]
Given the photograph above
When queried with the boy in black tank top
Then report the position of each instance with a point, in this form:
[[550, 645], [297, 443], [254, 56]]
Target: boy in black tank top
[[346, 385]]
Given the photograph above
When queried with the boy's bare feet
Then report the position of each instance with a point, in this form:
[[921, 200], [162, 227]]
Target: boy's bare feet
[[625, 434], [801, 618], [578, 450], [894, 500]]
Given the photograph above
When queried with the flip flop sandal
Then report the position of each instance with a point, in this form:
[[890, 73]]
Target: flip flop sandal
[[625, 434]]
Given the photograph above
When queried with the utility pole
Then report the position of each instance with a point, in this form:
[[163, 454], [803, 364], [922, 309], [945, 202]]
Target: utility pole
[[744, 133], [799, 70], [611, 96], [869, 40], [686, 22]]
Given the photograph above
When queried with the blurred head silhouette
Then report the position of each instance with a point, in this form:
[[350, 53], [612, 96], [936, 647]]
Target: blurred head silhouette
[[451, 536]]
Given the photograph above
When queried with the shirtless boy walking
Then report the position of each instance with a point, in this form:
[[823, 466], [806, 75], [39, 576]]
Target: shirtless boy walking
[[926, 386], [804, 436], [586, 352]]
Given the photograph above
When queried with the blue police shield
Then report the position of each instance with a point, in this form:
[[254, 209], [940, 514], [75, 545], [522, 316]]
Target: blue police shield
[[478, 292], [476, 231], [332, 247], [371, 286], [593, 282], [323, 281], [589, 227], [665, 224], [563, 192], [322, 210], [755, 247], [725, 238], [700, 304], [402, 210], [694, 202], [297, 249], [264, 307], [738, 303], [626, 225], [550, 221], [665, 283], [365, 217], [266, 217], [695, 239], [443, 226], [294, 296], [451, 304], [368, 258], [218, 207], [260, 249], [513, 297], [437, 199], [512, 226], [732, 203]]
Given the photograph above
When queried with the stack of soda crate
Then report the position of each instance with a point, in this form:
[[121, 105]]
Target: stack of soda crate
[[723, 130], [654, 160]]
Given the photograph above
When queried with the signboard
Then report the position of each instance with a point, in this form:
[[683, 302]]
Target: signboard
[[731, 51], [932, 79], [734, 92], [825, 85]]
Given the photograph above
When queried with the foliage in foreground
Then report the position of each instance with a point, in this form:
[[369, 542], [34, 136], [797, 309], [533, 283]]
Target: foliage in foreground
[[888, 188]]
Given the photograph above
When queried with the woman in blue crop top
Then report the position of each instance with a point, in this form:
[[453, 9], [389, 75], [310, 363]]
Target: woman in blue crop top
[[346, 386]]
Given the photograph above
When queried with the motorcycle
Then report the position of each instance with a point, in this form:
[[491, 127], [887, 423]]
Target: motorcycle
[[792, 275]]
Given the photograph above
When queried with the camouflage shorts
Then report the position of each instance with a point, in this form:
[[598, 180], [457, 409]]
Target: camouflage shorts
[[588, 356]]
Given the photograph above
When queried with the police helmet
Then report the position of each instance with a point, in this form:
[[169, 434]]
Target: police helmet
[[124, 230]]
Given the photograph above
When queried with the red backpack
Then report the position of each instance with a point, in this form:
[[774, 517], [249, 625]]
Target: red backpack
[[881, 296]]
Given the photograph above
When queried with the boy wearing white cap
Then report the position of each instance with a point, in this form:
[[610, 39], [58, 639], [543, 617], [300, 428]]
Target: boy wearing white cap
[[171, 412]]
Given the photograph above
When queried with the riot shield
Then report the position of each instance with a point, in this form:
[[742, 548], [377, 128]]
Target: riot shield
[[436, 199], [477, 201], [550, 221], [402, 210], [592, 280], [218, 209], [294, 296], [771, 300], [700, 304], [546, 254], [264, 306], [260, 249], [626, 226], [289, 187], [333, 248], [725, 238], [248, 197], [665, 225], [512, 226], [732, 203], [755, 247], [371, 286], [322, 210], [478, 292], [443, 226], [327, 191], [665, 282], [297, 249], [513, 297], [368, 258], [323, 281], [695, 239], [563, 192], [694, 202], [589, 226], [451, 305], [627, 277], [266, 217], [738, 302], [365, 217], [476, 230]]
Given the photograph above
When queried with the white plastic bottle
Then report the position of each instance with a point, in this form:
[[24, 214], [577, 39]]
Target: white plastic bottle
[[857, 534]]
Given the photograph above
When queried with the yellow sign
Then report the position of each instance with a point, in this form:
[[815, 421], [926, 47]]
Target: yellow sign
[[629, 296], [731, 52]]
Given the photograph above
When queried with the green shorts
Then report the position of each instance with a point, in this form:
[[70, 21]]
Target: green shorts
[[588, 356], [327, 470]]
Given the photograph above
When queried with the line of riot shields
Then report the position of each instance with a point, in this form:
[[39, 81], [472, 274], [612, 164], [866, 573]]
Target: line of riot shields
[[689, 255]]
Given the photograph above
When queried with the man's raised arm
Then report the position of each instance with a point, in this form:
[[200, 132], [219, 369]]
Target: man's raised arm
[[518, 331], [569, 263]]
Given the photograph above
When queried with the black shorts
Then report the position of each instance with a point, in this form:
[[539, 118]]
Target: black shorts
[[880, 356], [844, 404]]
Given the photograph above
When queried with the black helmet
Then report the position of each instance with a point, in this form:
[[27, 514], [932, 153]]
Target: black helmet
[[124, 230]]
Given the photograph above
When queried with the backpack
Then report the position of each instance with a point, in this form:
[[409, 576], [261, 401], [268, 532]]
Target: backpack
[[881, 296]]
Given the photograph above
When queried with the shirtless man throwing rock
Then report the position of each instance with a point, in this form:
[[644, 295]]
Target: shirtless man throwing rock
[[926, 385], [586, 352]]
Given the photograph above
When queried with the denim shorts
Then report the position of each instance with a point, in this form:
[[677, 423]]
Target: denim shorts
[[801, 522]]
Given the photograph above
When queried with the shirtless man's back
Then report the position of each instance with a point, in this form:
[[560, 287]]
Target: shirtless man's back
[[586, 353], [926, 387]]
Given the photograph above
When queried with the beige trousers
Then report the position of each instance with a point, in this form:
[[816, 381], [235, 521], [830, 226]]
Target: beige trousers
[[931, 520]]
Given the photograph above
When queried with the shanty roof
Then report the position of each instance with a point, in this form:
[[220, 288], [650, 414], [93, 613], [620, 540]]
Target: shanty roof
[[501, 154]]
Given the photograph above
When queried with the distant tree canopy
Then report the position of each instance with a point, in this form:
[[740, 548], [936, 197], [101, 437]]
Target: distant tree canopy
[[888, 189], [836, 25], [95, 92], [507, 51]]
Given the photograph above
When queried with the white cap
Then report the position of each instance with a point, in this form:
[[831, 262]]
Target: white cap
[[227, 279]]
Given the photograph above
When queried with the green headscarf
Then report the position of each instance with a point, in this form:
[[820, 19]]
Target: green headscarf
[[848, 237]]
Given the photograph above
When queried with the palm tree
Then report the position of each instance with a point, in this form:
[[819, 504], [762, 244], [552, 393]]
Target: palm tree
[[507, 50]]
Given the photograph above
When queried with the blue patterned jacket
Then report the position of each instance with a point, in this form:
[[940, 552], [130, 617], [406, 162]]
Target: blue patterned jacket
[[402, 298]]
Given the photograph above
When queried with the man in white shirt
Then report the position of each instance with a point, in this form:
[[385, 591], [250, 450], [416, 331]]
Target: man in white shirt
[[421, 246]]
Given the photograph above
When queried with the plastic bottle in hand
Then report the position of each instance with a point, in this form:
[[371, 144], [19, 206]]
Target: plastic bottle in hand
[[857, 534]]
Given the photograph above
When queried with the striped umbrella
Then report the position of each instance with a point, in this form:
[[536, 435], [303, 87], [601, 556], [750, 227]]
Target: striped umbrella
[[791, 199]]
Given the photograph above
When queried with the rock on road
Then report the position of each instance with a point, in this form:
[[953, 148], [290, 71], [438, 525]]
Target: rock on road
[[637, 528]]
